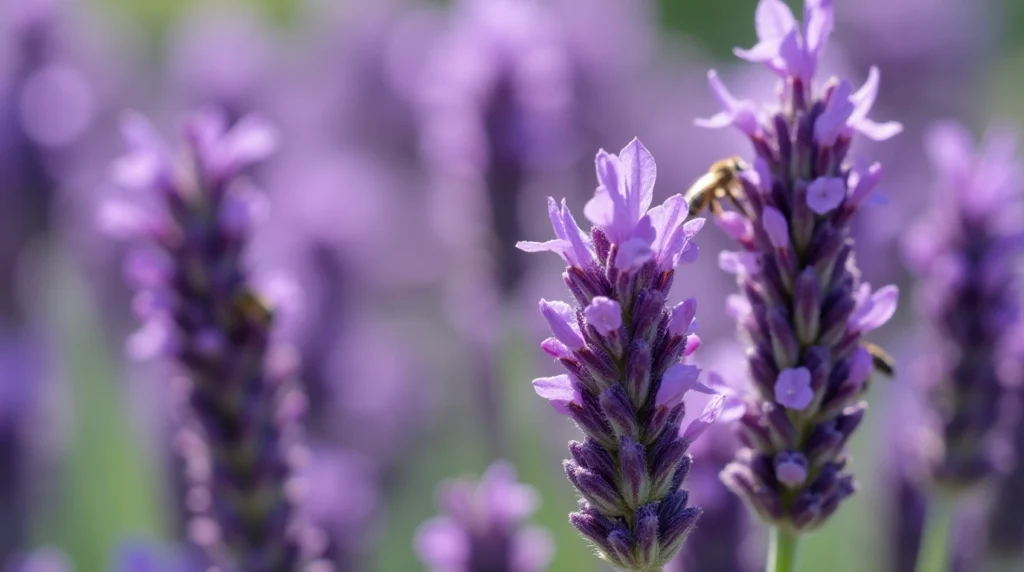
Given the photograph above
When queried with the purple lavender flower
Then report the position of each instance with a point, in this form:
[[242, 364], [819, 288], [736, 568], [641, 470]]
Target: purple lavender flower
[[803, 308], [45, 105], [622, 349], [482, 528], [200, 310], [965, 251]]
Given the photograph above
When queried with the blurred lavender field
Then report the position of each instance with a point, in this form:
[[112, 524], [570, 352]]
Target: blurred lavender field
[[416, 143]]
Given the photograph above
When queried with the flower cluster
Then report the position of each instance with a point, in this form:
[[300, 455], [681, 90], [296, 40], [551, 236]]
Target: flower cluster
[[482, 528], [965, 251], [199, 310], [622, 349], [803, 308]]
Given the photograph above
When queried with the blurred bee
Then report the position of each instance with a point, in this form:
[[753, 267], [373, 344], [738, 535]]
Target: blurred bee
[[720, 182], [254, 308], [883, 362]]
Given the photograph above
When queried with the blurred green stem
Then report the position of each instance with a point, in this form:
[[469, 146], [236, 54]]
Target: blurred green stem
[[936, 546], [782, 550], [1003, 563]]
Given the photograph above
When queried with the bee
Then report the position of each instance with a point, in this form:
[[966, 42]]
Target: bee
[[883, 362], [720, 182], [254, 308]]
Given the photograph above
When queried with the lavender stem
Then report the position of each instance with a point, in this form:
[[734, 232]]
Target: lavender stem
[[935, 544], [782, 549]]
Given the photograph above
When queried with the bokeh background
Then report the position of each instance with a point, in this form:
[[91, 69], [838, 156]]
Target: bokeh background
[[419, 140]]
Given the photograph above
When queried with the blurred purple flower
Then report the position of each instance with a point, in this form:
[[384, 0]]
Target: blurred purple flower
[[1006, 521], [482, 527], [200, 310], [965, 251], [44, 559], [803, 309], [939, 49], [45, 105], [726, 540], [224, 57], [624, 388]]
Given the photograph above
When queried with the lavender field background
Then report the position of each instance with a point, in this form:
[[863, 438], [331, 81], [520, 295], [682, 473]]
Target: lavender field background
[[418, 141]]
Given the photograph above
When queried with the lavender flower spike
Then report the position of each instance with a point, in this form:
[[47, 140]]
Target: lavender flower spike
[[622, 349], [200, 311], [802, 307], [965, 251], [482, 527]]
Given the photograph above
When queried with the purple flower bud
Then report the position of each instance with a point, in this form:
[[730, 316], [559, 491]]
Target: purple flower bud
[[776, 227], [630, 378], [791, 469]]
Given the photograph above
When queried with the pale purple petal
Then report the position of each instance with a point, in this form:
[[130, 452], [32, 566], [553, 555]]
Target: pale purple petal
[[600, 210], [832, 122], [709, 416], [734, 225], [819, 20], [251, 140], [604, 314], [562, 320], [741, 113], [532, 550], [693, 342], [633, 254], [864, 182], [559, 390], [776, 227], [878, 131], [864, 98], [580, 255], [746, 263], [793, 388], [555, 348], [876, 311], [825, 194], [442, 544], [681, 319], [679, 379], [641, 172], [950, 147], [733, 406], [773, 19], [797, 61]]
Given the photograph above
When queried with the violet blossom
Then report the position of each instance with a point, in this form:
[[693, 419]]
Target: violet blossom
[[201, 312], [965, 251], [482, 527], [803, 309], [45, 105], [622, 349]]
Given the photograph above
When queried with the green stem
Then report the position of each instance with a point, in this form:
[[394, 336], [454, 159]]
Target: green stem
[[1002, 563], [936, 545], [782, 550]]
